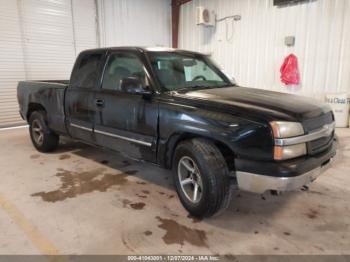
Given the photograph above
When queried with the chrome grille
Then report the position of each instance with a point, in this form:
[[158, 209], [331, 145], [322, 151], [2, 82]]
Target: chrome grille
[[320, 144], [313, 124], [323, 143]]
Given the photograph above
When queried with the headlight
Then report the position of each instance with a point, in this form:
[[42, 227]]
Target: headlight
[[287, 152], [282, 130], [286, 129]]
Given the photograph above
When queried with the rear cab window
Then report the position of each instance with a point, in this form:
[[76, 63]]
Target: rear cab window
[[87, 71]]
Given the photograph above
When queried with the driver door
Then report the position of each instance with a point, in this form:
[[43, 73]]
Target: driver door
[[126, 122]]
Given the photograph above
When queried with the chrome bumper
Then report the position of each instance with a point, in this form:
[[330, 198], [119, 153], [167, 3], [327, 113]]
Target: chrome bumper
[[260, 183]]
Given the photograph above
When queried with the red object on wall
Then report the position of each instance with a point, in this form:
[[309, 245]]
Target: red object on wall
[[290, 70]]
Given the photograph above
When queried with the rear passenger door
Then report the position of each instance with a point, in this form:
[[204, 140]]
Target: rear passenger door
[[79, 99], [127, 122]]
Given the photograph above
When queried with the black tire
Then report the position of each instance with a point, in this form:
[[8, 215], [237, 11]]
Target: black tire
[[216, 183], [49, 140]]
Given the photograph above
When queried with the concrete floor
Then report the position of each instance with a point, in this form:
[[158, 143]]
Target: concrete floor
[[82, 200]]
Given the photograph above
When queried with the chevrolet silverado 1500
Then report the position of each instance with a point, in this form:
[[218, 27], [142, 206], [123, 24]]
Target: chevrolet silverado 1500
[[177, 109]]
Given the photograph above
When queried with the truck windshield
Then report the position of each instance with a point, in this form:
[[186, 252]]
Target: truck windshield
[[185, 71]]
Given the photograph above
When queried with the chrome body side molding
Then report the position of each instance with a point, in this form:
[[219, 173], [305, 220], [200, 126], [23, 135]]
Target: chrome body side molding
[[113, 135], [123, 138], [81, 127]]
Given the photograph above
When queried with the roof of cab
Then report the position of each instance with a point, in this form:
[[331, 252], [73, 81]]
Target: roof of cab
[[141, 49]]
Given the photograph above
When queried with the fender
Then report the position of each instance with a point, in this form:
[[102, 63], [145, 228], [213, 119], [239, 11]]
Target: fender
[[243, 137]]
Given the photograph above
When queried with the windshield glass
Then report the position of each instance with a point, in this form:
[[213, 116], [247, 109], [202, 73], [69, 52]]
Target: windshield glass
[[186, 71]]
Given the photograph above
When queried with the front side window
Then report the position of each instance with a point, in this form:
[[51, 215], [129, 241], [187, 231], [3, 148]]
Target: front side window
[[121, 66], [180, 71]]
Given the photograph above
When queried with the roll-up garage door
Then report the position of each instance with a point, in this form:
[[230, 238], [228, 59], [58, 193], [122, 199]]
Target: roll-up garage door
[[39, 40], [11, 62], [48, 39]]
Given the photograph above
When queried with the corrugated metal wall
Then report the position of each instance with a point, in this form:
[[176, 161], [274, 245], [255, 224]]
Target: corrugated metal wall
[[135, 22], [40, 40], [252, 49]]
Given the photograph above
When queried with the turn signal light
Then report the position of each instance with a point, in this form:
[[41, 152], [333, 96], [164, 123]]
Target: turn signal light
[[288, 152]]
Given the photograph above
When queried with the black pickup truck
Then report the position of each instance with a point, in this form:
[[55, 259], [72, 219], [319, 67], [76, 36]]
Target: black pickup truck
[[177, 109]]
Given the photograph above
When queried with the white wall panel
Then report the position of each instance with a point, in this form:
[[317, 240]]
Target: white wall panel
[[85, 24], [135, 22], [252, 49]]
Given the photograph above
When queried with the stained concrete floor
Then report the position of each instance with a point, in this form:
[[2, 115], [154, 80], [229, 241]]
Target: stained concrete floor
[[83, 200]]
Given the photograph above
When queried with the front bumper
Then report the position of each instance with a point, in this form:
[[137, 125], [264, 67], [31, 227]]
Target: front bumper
[[259, 183], [284, 176]]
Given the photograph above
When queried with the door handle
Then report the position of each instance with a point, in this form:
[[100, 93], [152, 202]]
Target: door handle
[[99, 102]]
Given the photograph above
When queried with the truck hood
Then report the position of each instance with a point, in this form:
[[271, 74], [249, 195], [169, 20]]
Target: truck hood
[[258, 103]]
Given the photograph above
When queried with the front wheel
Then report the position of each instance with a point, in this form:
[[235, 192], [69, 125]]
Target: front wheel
[[201, 177], [43, 139]]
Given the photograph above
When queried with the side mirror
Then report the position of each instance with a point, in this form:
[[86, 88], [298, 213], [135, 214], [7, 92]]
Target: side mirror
[[134, 85]]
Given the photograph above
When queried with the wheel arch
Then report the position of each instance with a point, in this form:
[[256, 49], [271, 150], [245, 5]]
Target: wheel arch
[[176, 139], [32, 107]]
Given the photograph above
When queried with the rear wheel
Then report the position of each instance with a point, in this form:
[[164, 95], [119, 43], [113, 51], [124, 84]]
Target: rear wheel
[[43, 139], [201, 177]]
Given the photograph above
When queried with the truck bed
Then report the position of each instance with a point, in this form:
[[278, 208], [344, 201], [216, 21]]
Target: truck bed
[[62, 82], [47, 93]]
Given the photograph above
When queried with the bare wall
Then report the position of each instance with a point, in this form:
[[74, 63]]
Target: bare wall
[[252, 49], [135, 22]]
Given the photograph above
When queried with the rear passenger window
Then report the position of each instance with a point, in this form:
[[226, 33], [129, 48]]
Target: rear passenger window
[[87, 72]]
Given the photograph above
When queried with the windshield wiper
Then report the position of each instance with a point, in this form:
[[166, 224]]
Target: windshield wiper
[[228, 85], [191, 88]]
